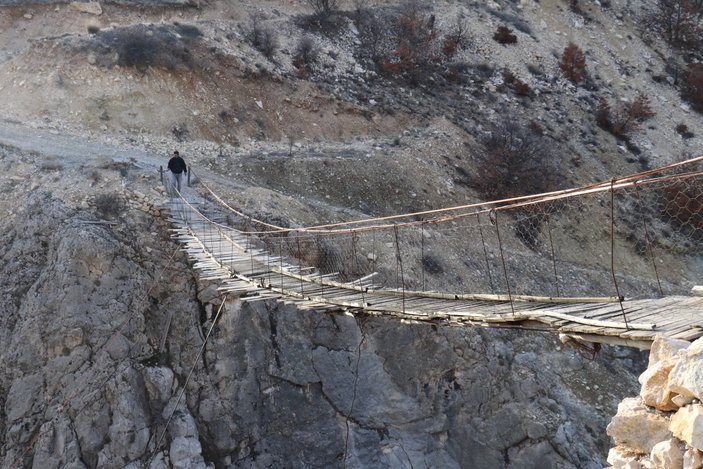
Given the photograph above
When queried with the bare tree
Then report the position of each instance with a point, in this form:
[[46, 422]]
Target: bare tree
[[322, 8], [679, 19]]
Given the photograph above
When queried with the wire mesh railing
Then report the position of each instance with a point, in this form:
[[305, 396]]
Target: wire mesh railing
[[636, 237]]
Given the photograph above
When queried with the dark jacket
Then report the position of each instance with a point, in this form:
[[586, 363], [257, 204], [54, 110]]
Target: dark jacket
[[176, 165]]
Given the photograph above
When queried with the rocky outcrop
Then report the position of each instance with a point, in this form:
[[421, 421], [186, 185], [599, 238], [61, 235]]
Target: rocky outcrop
[[670, 396]]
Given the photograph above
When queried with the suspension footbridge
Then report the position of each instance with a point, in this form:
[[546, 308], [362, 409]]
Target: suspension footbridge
[[606, 263]]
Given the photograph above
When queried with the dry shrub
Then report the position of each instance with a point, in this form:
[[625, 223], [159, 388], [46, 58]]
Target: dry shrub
[[694, 86], [322, 8], [142, 46], [109, 205], [415, 39], [679, 20], [573, 62], [518, 161], [504, 35], [522, 88], [627, 118], [407, 43], [682, 129], [263, 38], [306, 55], [508, 76], [515, 161]]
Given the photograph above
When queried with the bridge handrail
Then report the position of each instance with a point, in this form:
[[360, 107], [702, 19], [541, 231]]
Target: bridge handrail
[[637, 179]]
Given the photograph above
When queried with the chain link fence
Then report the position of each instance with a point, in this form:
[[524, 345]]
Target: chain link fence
[[634, 237]]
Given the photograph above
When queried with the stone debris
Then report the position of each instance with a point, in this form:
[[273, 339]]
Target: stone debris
[[638, 427], [663, 427]]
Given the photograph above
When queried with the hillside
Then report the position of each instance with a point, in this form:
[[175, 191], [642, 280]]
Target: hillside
[[374, 108]]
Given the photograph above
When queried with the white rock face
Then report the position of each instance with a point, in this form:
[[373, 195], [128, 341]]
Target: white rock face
[[687, 425], [667, 454], [638, 427]]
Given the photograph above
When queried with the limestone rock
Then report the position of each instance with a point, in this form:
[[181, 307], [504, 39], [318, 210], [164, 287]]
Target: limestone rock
[[686, 377], [158, 381], [695, 349], [664, 348], [687, 425], [637, 427], [667, 454], [185, 453], [619, 458], [654, 391], [681, 401], [22, 397], [692, 459]]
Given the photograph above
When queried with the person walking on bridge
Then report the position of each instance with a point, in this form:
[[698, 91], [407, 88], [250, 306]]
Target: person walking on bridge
[[177, 167]]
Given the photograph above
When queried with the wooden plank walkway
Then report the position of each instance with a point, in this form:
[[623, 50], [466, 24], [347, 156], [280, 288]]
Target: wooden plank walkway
[[224, 254]]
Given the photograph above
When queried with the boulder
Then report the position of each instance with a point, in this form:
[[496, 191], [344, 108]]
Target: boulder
[[686, 377], [667, 454], [655, 392], [695, 349], [664, 348], [692, 459], [687, 425], [620, 458], [638, 427]]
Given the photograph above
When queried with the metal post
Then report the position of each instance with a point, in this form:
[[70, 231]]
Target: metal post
[[422, 253], [612, 249], [161, 174], [399, 261], [485, 254], [554, 259], [505, 270]]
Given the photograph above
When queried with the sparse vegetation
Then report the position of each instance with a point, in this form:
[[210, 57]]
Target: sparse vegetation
[[694, 86], [306, 55], [505, 35], [573, 62], [407, 43], [142, 46], [262, 37], [109, 205], [181, 132], [680, 21], [522, 88], [626, 118], [415, 43], [322, 8], [682, 129], [515, 161], [51, 165]]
